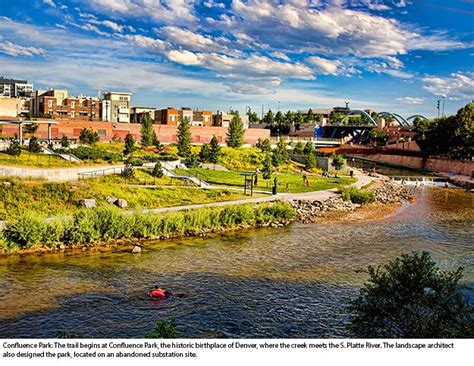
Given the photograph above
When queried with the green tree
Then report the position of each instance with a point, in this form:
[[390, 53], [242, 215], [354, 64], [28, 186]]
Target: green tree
[[31, 128], [235, 133], [411, 297], [310, 116], [310, 162], [253, 116], [88, 136], [128, 172], [157, 171], [129, 144], [279, 119], [184, 138], [299, 148], [276, 158], [465, 129], [289, 117], [14, 149], [34, 146], [191, 161], [264, 145], [215, 150], [298, 118], [267, 169], [283, 152], [64, 142], [309, 147], [146, 132], [269, 117], [337, 161], [205, 153], [156, 143], [164, 329]]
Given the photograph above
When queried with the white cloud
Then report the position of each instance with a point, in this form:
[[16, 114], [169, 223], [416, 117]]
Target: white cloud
[[189, 39], [168, 11], [324, 66], [213, 4], [50, 3], [146, 42], [280, 55], [15, 50], [457, 86], [109, 24], [411, 100], [185, 57]]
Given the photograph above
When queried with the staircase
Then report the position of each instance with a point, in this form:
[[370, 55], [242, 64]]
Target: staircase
[[68, 157]]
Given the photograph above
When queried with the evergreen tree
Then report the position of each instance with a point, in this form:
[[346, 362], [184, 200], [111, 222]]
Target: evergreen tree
[[157, 170], [184, 138], [276, 158], [310, 116], [282, 150], [88, 136], [34, 146], [311, 162], [205, 153], [191, 161], [146, 132], [269, 117], [279, 119], [289, 117], [64, 142], [337, 161], [129, 144], [128, 172], [267, 169], [253, 117], [215, 150], [235, 133], [156, 143], [14, 149], [299, 148], [309, 147]]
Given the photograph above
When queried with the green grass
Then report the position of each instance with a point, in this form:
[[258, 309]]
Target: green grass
[[294, 180], [35, 160], [49, 199], [100, 225]]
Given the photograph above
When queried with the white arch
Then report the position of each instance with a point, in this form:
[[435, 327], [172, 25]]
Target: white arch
[[357, 111]]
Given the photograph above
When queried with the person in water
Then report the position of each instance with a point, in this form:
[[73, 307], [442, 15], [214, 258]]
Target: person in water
[[159, 293]]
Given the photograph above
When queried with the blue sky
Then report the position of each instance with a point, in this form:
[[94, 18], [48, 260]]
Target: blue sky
[[394, 55]]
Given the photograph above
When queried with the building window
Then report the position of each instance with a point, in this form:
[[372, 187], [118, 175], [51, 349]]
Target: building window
[[50, 103], [73, 114], [73, 104], [172, 118], [206, 118]]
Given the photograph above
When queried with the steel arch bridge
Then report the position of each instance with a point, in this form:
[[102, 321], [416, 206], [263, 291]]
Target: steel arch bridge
[[357, 112], [402, 121], [416, 116]]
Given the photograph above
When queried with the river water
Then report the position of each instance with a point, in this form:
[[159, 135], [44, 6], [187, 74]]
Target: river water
[[286, 282]]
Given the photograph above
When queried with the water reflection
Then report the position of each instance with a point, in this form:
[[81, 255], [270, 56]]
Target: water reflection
[[288, 282]]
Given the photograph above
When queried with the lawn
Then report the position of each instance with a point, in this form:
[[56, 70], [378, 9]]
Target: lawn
[[293, 180], [35, 160], [55, 199]]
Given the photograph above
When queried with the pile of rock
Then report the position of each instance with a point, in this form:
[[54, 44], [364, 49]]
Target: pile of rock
[[309, 211], [388, 192]]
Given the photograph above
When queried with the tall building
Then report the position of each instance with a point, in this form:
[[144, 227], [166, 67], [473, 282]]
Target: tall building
[[168, 116], [59, 105], [116, 107], [19, 89], [222, 119]]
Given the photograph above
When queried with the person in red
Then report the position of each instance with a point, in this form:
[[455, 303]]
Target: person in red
[[159, 293]]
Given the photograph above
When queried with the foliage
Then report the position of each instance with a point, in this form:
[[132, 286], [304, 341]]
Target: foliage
[[310, 116], [308, 148], [263, 145], [378, 135], [267, 169], [269, 117], [215, 150], [164, 329], [235, 133], [157, 170], [253, 117], [146, 132], [311, 162], [411, 297], [129, 144], [356, 195], [299, 148], [191, 161], [128, 171], [204, 153], [14, 149], [283, 151], [276, 158], [88, 136], [31, 128], [26, 229], [337, 161], [34, 146], [64, 142], [184, 138], [95, 153]]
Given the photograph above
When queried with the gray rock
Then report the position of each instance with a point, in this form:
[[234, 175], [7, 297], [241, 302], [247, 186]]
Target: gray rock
[[89, 203], [111, 199], [136, 249], [121, 203], [7, 184]]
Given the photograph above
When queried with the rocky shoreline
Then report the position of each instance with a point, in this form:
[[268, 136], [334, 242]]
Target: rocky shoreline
[[386, 192]]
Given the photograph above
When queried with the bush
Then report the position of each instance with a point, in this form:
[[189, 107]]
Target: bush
[[95, 153], [14, 149], [164, 329], [82, 229], [128, 172], [157, 171], [356, 195], [88, 136], [34, 146], [237, 215], [26, 230]]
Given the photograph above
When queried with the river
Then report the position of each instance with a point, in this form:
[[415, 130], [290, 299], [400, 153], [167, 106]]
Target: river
[[288, 282]]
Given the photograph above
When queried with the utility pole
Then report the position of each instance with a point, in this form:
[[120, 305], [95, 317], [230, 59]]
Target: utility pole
[[262, 111], [278, 106], [437, 106], [442, 114]]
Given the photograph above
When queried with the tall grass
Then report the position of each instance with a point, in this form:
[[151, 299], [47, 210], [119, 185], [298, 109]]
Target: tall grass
[[356, 195], [106, 223]]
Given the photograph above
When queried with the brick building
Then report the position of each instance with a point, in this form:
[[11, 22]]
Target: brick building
[[59, 105]]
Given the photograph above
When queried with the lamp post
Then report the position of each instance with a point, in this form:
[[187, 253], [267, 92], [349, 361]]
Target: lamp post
[[442, 114], [437, 106]]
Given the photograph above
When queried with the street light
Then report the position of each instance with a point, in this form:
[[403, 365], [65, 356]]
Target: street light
[[442, 114]]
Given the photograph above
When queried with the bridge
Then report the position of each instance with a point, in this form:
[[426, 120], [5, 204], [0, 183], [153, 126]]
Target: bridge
[[371, 120]]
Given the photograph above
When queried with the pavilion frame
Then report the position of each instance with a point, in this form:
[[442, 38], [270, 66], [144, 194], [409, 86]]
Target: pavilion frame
[[21, 122]]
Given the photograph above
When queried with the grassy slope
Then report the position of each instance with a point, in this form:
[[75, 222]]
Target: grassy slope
[[35, 160], [51, 199]]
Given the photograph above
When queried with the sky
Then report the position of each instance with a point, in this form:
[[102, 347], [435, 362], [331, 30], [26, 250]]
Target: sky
[[390, 55]]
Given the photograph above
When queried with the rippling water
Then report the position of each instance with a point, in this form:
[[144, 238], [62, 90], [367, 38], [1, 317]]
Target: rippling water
[[287, 282]]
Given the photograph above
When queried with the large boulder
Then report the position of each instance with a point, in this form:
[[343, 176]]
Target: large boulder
[[89, 203], [121, 203]]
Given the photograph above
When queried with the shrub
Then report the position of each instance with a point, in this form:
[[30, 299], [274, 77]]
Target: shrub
[[14, 149], [64, 142], [34, 146], [356, 195], [128, 172], [237, 215], [82, 229], [88, 136], [157, 171], [164, 329], [26, 229]]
